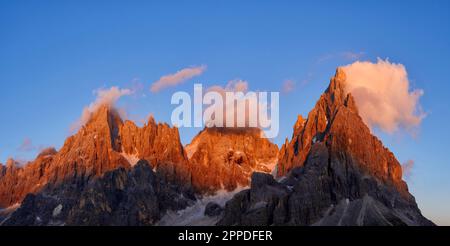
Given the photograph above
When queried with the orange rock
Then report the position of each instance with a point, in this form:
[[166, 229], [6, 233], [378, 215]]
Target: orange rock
[[336, 122], [225, 158], [99, 146]]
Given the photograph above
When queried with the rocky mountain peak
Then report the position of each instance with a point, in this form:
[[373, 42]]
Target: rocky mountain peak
[[105, 122], [11, 163], [47, 152], [224, 158], [105, 114], [299, 124], [335, 122], [332, 172], [312, 129]]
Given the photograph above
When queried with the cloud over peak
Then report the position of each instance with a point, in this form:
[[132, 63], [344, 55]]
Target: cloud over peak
[[382, 93], [104, 97], [177, 78]]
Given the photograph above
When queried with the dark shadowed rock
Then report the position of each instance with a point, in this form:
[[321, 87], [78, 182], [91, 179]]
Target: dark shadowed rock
[[213, 209], [258, 205], [121, 197]]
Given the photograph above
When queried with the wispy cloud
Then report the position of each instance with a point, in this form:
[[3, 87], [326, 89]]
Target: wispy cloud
[[288, 86], [407, 168], [177, 78], [350, 55], [344, 55], [26, 146], [384, 99], [104, 97]]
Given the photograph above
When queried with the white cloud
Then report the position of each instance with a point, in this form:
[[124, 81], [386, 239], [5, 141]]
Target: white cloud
[[237, 85], [384, 99], [177, 78]]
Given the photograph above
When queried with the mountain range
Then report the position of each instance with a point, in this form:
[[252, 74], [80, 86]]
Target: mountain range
[[332, 171]]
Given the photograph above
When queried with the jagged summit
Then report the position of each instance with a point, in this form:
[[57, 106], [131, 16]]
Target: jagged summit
[[334, 172], [11, 163], [103, 144], [335, 121], [225, 158]]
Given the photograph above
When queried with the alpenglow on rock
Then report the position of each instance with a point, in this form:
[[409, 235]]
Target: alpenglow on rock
[[332, 172], [225, 158], [102, 145]]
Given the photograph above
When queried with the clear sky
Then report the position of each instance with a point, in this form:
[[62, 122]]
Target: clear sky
[[54, 54]]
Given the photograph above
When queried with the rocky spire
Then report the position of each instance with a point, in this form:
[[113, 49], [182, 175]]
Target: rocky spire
[[335, 172], [11, 164], [335, 121], [107, 122], [306, 132]]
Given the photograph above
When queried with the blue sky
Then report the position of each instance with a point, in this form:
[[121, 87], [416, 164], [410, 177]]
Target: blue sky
[[54, 54]]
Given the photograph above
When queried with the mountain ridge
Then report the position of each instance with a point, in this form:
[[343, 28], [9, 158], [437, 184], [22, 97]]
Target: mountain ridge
[[333, 171]]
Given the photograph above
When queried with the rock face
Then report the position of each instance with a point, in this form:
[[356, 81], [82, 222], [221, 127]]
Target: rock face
[[213, 209], [225, 158], [18, 181], [105, 143], [121, 197], [160, 145], [335, 122], [334, 172]]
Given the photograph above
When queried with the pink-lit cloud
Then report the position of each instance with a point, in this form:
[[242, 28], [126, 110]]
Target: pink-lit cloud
[[383, 95], [288, 86], [104, 97], [177, 78], [26, 145]]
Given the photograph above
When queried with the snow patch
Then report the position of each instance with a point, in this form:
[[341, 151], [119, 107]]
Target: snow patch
[[194, 215], [131, 158], [10, 208], [57, 210], [273, 165], [191, 149]]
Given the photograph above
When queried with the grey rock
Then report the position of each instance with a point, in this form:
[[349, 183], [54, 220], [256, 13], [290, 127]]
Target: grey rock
[[213, 209], [326, 191], [121, 197]]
